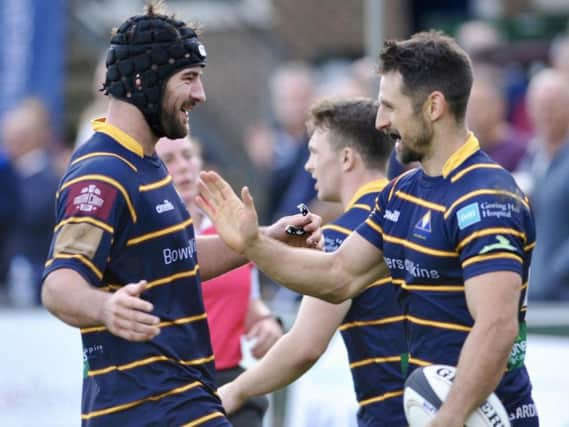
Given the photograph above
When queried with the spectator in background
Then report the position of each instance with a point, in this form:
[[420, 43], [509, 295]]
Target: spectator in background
[[232, 300], [559, 54], [26, 134], [547, 108], [292, 92], [9, 211], [486, 117], [478, 38], [548, 99]]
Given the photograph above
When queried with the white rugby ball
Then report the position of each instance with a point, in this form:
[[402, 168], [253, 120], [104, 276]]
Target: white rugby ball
[[426, 389]]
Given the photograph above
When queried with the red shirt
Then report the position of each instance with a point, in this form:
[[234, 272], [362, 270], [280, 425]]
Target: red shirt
[[226, 300]]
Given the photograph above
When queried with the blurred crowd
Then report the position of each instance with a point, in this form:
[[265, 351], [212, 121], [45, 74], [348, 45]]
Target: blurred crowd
[[519, 112]]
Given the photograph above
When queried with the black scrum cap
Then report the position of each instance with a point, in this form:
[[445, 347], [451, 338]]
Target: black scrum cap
[[145, 52]]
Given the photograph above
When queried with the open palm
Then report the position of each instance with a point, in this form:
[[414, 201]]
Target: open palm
[[234, 219]]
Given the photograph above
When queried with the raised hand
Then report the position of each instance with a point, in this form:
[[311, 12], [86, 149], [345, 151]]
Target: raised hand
[[126, 315], [235, 219]]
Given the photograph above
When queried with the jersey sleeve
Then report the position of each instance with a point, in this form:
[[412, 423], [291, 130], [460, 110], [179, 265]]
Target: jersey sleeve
[[92, 212], [372, 228], [493, 231]]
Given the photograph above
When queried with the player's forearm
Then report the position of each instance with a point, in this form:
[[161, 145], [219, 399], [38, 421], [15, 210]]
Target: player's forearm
[[285, 362], [307, 271], [70, 298], [481, 366], [216, 257]]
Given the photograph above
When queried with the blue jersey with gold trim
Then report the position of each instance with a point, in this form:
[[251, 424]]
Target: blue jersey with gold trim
[[437, 232], [120, 220], [373, 328]]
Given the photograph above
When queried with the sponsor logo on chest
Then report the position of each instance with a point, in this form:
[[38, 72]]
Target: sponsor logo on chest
[[392, 215], [165, 206]]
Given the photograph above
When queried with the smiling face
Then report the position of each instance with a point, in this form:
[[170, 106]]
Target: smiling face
[[183, 160], [398, 116], [184, 90], [325, 166]]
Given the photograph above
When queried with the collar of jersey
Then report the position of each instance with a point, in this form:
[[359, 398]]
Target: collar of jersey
[[127, 141], [470, 147], [374, 186]]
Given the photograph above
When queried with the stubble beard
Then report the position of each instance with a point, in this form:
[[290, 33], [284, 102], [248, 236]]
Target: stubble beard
[[173, 127]]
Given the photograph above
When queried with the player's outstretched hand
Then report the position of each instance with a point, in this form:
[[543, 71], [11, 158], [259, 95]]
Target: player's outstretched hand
[[128, 316], [235, 219], [230, 398]]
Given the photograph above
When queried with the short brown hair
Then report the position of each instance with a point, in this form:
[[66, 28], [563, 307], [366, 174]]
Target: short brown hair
[[427, 62], [352, 121]]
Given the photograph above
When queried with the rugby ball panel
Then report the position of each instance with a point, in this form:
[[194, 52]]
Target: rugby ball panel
[[426, 389]]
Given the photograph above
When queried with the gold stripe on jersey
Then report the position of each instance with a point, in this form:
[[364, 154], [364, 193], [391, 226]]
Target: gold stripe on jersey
[[204, 419], [159, 233], [337, 228], [183, 320], [130, 405], [80, 219], [436, 324], [103, 154], [375, 360], [485, 191], [419, 362], [419, 248], [158, 282], [148, 361], [419, 201], [395, 182], [375, 322], [381, 397], [374, 186], [84, 260], [525, 286], [524, 309], [108, 180], [154, 185], [529, 247], [489, 232], [425, 287], [494, 255], [361, 206], [467, 149], [164, 324], [173, 277], [124, 139], [375, 226], [463, 172], [379, 282]]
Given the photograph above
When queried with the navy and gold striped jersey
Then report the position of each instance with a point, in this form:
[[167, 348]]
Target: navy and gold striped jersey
[[120, 220], [436, 233], [373, 328]]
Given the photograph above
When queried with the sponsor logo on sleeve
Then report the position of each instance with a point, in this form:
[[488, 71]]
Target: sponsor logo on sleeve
[[91, 198], [468, 215], [502, 244]]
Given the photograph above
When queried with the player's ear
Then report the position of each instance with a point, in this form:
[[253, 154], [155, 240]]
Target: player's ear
[[348, 157], [435, 105]]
